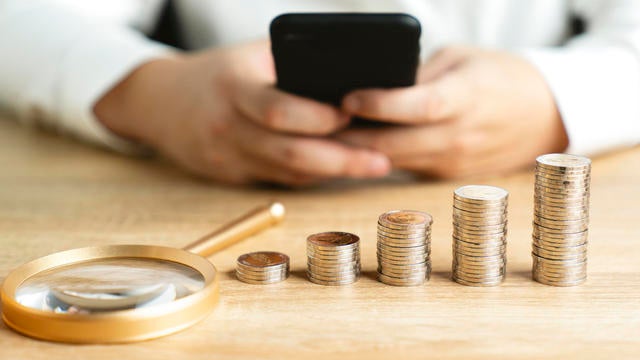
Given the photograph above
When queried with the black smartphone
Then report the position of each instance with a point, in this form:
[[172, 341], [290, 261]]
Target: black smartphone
[[325, 55]]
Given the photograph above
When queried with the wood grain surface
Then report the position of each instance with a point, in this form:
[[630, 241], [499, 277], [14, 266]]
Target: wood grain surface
[[57, 194]]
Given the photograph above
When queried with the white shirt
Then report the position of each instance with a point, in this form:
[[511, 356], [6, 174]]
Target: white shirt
[[57, 58]]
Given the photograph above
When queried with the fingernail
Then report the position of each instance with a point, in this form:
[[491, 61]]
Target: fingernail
[[379, 165], [351, 103]]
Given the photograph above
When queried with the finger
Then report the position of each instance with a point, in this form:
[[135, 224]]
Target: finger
[[277, 110], [269, 172], [436, 101], [423, 163], [441, 61], [313, 156], [397, 142]]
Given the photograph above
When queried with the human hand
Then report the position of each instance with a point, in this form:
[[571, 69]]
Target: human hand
[[472, 112], [218, 114]]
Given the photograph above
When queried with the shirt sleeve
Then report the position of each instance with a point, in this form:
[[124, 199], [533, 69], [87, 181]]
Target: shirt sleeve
[[60, 57], [595, 77]]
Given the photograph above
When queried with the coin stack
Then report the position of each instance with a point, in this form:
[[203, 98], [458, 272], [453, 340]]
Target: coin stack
[[404, 247], [262, 267], [333, 258], [561, 219], [479, 235]]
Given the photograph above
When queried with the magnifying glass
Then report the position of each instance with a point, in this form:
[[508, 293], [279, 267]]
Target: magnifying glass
[[122, 293]]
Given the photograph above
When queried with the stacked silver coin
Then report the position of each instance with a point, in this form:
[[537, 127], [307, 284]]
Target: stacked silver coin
[[479, 235], [333, 258], [561, 219], [262, 267], [404, 247]]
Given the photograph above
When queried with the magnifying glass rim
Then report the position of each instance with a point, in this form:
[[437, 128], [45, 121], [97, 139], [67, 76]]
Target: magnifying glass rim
[[113, 326]]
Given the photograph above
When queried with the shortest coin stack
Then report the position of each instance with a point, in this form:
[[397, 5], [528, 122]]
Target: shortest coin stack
[[333, 258], [561, 219], [404, 247], [479, 235], [262, 267]]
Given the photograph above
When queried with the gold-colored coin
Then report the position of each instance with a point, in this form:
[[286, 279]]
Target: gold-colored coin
[[333, 239], [405, 219]]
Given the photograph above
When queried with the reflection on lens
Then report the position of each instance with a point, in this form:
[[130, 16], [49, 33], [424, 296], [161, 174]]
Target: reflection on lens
[[109, 284]]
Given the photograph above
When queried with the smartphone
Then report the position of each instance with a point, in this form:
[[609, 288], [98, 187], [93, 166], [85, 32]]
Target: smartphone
[[326, 55]]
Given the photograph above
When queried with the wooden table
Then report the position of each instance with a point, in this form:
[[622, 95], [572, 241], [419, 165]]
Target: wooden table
[[56, 194]]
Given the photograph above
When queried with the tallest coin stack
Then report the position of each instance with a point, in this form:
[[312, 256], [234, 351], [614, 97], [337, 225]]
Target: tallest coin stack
[[561, 219]]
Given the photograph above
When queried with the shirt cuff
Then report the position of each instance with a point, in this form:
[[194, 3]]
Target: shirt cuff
[[93, 66], [596, 90]]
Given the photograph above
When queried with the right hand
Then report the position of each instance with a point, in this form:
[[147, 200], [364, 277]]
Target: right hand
[[218, 114]]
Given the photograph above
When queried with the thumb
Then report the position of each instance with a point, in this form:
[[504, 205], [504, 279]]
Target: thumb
[[443, 60], [441, 99]]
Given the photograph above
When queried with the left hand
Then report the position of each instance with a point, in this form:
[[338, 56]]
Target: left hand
[[472, 112]]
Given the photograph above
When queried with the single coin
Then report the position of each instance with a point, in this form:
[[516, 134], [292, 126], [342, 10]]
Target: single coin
[[553, 262], [487, 240], [556, 247], [400, 254], [481, 218], [563, 161], [560, 224], [546, 233], [478, 276], [562, 217], [487, 243], [559, 172], [491, 278], [402, 243], [263, 259], [547, 189], [333, 239], [338, 256], [561, 181], [270, 272], [400, 281], [481, 193], [491, 209], [266, 278], [401, 219], [404, 261], [332, 264], [473, 283], [260, 282], [557, 244], [334, 277], [479, 268], [332, 283], [405, 273], [423, 247], [402, 246], [479, 222], [473, 228], [416, 236], [546, 206]]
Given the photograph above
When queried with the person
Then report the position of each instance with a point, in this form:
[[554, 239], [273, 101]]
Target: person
[[501, 82]]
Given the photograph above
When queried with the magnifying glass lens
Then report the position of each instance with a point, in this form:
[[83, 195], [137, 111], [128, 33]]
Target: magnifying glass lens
[[109, 284]]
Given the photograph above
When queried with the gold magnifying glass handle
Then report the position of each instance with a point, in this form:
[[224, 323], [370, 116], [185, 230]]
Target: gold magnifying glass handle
[[251, 223]]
